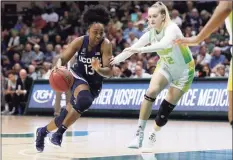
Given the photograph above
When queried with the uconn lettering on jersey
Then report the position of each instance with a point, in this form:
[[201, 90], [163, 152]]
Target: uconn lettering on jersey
[[86, 60]]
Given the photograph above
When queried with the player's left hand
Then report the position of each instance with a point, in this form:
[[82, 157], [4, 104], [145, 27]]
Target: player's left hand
[[95, 63], [189, 41], [132, 50]]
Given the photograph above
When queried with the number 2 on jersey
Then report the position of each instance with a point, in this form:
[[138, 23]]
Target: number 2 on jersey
[[89, 70]]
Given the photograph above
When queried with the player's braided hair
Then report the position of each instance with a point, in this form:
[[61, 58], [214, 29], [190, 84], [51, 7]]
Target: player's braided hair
[[96, 14]]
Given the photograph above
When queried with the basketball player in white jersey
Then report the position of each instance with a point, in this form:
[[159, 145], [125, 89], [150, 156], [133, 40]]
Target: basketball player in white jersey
[[223, 12], [175, 68]]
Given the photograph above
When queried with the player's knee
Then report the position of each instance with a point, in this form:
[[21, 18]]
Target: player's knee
[[163, 113], [59, 119], [153, 92], [84, 101]]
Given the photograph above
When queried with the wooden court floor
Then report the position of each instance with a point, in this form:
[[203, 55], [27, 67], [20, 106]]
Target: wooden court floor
[[107, 139]]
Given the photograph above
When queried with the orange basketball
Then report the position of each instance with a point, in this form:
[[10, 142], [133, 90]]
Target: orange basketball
[[61, 79]]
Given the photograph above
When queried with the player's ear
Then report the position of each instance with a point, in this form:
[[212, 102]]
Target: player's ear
[[88, 31]]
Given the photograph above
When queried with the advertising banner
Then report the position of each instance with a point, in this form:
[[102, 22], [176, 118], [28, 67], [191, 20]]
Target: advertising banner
[[202, 96]]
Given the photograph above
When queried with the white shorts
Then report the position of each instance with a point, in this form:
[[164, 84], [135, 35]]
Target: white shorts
[[180, 77]]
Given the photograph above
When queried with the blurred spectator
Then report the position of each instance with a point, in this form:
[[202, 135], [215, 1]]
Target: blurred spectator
[[132, 63], [193, 20], [205, 71], [38, 56], [22, 37], [217, 57], [32, 72], [219, 71], [129, 29], [23, 86], [145, 11], [10, 94], [125, 18], [44, 42], [134, 14], [203, 57], [3, 91], [16, 68], [139, 73], [19, 24], [116, 23], [16, 59], [65, 26], [51, 29], [116, 72], [150, 64], [38, 22], [49, 54], [58, 49], [210, 46], [132, 38], [14, 42], [6, 65], [75, 11], [140, 30], [27, 55], [34, 37], [188, 32], [58, 40], [175, 17], [45, 70], [50, 15], [205, 16], [124, 70], [139, 63], [4, 42], [120, 41]]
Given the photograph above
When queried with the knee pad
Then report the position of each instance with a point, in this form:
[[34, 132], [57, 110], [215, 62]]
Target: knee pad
[[149, 98], [84, 101], [59, 119], [164, 111]]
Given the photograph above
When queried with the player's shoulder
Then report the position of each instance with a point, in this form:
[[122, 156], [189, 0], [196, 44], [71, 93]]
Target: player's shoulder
[[173, 26], [106, 43]]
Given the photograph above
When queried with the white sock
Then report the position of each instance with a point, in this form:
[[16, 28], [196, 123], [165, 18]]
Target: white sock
[[142, 124], [6, 107]]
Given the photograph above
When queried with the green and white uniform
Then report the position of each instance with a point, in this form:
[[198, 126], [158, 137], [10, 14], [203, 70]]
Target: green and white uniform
[[176, 62]]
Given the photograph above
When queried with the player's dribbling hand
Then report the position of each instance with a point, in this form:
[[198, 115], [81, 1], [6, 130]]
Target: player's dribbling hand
[[95, 63]]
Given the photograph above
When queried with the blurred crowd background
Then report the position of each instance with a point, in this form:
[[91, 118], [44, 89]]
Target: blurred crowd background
[[34, 38]]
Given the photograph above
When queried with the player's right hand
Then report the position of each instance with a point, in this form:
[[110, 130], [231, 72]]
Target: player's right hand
[[112, 61]]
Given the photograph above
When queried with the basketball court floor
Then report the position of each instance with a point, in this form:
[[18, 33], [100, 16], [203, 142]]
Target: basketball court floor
[[107, 139]]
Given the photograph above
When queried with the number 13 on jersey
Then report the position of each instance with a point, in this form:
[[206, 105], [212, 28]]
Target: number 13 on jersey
[[88, 69]]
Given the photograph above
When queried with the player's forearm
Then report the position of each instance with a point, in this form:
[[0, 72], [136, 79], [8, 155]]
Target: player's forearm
[[123, 56], [218, 18], [66, 56], [153, 47], [105, 72]]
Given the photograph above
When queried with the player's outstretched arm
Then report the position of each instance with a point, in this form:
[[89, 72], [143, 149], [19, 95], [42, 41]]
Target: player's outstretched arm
[[170, 35], [72, 48], [220, 14], [143, 41], [106, 69]]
